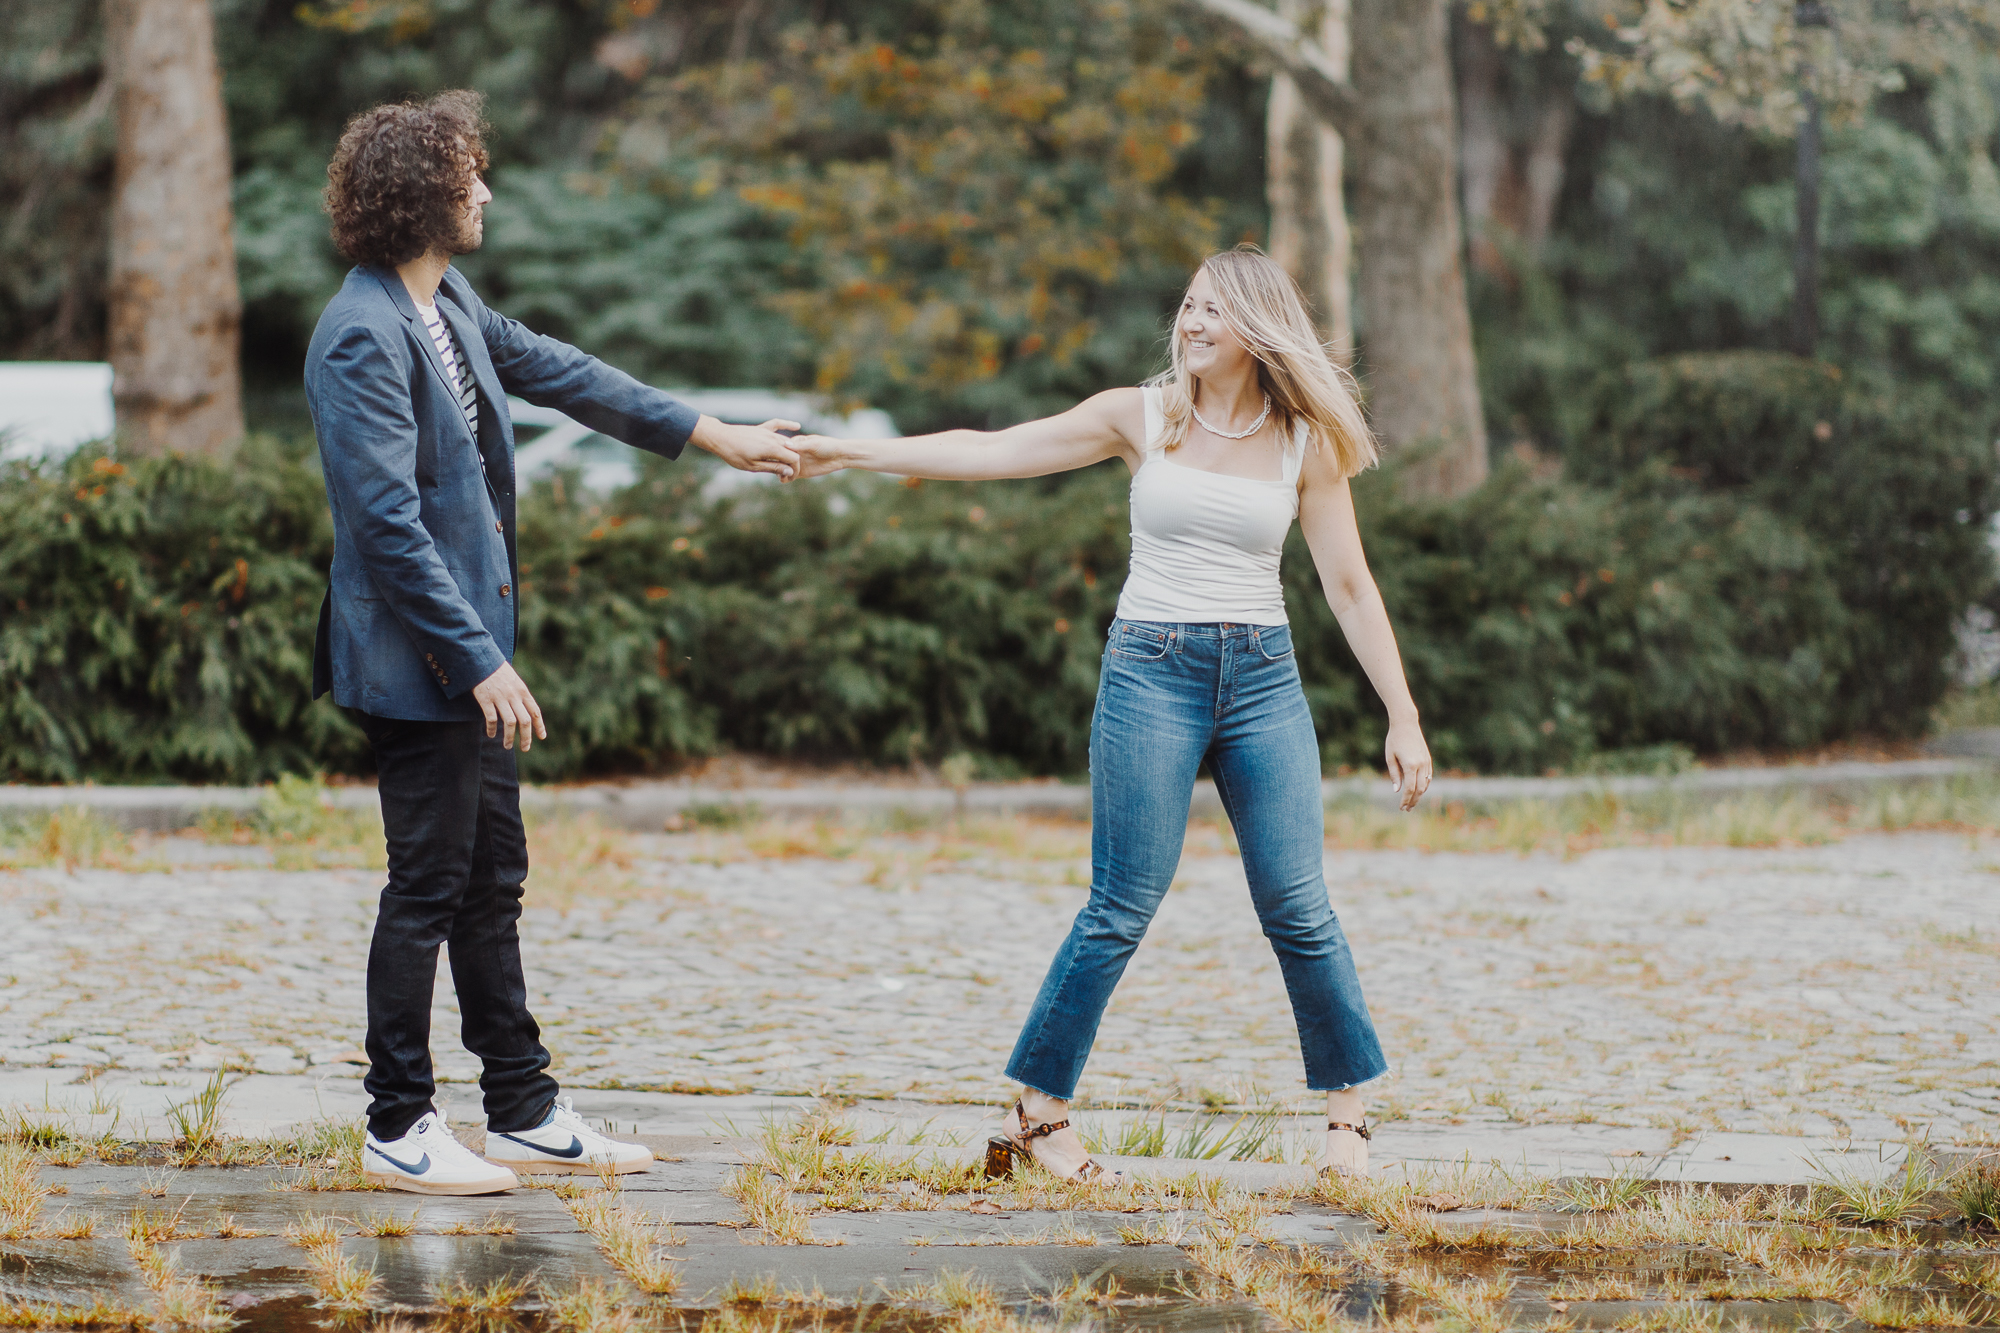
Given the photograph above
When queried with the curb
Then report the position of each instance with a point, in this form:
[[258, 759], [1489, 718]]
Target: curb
[[647, 807]]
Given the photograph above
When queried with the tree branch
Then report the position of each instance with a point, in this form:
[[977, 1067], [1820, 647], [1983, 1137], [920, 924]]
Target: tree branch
[[1330, 97]]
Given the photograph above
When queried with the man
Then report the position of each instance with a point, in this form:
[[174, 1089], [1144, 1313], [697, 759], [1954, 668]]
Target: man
[[406, 379]]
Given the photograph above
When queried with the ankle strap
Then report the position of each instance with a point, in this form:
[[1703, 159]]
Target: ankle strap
[[1036, 1131], [1361, 1129]]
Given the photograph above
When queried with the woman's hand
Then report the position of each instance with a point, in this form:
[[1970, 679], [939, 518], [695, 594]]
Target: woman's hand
[[1409, 760], [820, 454]]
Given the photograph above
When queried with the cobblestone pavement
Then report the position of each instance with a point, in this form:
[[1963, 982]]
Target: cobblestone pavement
[[1852, 988]]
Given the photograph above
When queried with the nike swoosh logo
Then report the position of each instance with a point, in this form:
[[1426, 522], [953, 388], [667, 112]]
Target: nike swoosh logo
[[575, 1148], [416, 1168]]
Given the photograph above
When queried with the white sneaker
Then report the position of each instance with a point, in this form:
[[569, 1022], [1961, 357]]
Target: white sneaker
[[564, 1144], [428, 1160]]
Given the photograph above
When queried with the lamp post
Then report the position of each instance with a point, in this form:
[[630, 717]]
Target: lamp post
[[1807, 15]]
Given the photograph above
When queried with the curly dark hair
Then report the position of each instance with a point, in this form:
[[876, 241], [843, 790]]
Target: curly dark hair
[[399, 182]]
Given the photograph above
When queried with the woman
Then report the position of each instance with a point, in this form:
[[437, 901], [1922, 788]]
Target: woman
[[1252, 428]]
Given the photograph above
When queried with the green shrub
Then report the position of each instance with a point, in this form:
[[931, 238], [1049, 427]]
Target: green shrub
[[157, 621], [1544, 622], [859, 617], [1895, 490]]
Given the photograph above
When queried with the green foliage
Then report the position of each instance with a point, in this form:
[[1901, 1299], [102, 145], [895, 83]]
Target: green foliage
[[1675, 233], [159, 618], [160, 622], [859, 618], [1895, 490], [1543, 622], [989, 214]]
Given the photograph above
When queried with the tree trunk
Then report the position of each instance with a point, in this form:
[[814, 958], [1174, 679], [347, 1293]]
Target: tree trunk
[[1422, 379], [1305, 156], [1511, 184], [1396, 111], [177, 380]]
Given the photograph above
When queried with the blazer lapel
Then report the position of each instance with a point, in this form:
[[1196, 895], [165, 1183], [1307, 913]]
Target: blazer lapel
[[485, 381], [399, 295]]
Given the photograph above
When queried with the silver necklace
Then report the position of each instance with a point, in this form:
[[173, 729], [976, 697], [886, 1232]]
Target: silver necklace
[[1255, 426]]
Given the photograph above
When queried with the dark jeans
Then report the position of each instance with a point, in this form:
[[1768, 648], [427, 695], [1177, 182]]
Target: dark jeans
[[451, 807]]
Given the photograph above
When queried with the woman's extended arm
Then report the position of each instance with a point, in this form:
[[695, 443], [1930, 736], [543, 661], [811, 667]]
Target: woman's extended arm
[[1098, 428], [1326, 516]]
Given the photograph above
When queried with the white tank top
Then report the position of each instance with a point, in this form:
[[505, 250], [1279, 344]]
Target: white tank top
[[1205, 545]]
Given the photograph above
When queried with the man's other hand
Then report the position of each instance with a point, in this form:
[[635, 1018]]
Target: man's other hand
[[749, 448], [504, 698]]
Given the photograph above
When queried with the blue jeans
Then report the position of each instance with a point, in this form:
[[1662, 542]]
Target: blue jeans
[[1168, 696]]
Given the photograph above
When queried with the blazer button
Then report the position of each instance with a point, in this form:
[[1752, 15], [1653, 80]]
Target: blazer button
[[429, 658], [504, 588], [498, 526]]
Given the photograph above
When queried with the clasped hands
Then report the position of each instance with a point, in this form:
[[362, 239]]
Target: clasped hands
[[763, 449]]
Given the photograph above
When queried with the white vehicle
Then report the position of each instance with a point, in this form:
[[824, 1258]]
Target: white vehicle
[[546, 440], [49, 409]]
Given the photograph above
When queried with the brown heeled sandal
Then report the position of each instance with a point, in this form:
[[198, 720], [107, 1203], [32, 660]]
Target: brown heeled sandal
[[1361, 1130], [1005, 1152]]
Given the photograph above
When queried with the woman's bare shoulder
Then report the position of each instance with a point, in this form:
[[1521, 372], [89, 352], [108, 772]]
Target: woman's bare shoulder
[[1123, 411]]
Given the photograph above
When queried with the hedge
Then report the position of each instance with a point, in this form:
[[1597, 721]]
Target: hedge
[[1705, 577]]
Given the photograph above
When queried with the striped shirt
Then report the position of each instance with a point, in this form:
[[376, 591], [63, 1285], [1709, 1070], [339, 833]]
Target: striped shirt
[[454, 365]]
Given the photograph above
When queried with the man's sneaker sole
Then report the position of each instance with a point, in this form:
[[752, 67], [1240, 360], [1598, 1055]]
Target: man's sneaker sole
[[561, 1168], [410, 1184]]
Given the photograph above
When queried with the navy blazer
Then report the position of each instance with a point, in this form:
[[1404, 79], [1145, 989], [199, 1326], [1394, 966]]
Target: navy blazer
[[422, 606]]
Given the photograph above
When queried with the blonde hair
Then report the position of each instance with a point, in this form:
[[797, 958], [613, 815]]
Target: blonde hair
[[1263, 308]]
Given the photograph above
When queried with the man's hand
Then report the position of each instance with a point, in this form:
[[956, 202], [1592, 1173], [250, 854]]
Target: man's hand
[[749, 448], [504, 698]]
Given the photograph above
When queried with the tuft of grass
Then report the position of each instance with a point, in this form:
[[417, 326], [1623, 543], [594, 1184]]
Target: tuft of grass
[[99, 1314], [767, 1201], [590, 1307], [496, 1297], [1848, 1196], [388, 1224], [1582, 1195], [630, 1242], [1673, 1317], [493, 1224], [197, 1121], [1974, 1192], [1250, 1137], [147, 1227], [1171, 1229], [72, 1225], [184, 1302], [342, 1281], [21, 1190], [328, 1156], [1886, 1309]]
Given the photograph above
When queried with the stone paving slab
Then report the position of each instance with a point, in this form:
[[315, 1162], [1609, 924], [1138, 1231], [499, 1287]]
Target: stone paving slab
[[415, 1269], [252, 1269], [71, 1272], [712, 1261]]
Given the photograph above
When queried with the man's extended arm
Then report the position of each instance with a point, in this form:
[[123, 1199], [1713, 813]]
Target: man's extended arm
[[550, 373]]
